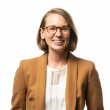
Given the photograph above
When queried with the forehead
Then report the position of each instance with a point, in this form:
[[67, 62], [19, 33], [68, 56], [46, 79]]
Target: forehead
[[55, 19]]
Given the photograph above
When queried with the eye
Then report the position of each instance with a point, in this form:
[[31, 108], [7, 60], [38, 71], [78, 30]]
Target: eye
[[65, 28], [51, 28]]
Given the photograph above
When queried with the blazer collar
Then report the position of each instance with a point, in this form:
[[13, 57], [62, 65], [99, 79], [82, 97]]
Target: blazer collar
[[71, 84]]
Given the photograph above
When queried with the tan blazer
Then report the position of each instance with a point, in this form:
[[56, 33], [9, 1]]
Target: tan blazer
[[82, 85]]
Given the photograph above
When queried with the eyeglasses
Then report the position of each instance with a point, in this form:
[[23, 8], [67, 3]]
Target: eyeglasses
[[53, 29]]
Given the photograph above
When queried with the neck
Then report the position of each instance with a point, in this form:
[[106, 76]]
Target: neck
[[57, 59]]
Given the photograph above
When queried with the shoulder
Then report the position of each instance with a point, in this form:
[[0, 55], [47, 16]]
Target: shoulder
[[84, 63], [30, 63], [86, 66], [33, 60]]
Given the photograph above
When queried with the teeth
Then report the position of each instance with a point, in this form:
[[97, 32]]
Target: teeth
[[58, 41]]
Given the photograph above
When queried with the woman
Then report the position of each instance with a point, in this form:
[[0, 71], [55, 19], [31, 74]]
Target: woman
[[57, 80]]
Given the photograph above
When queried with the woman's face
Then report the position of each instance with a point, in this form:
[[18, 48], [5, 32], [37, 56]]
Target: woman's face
[[58, 41]]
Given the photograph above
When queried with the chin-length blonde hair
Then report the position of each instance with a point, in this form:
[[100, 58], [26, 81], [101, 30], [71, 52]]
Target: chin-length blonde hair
[[73, 32]]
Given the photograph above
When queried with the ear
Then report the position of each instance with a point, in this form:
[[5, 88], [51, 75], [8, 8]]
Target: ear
[[42, 33]]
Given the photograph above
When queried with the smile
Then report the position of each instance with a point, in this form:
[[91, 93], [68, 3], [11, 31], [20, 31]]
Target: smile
[[58, 41]]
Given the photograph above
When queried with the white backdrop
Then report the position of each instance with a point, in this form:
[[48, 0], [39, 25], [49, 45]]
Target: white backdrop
[[19, 22]]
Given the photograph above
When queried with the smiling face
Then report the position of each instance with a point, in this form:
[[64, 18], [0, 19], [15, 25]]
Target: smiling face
[[58, 41]]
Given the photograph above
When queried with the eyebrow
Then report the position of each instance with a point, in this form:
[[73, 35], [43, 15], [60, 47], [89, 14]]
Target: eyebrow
[[56, 26]]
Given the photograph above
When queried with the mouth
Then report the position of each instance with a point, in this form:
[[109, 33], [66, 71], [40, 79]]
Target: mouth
[[58, 41]]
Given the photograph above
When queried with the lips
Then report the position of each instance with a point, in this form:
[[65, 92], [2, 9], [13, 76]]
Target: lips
[[58, 41]]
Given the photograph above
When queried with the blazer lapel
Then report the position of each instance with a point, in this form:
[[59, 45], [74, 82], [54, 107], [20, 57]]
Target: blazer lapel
[[41, 82], [71, 84]]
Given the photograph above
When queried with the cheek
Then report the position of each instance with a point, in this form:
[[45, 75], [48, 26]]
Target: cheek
[[48, 38]]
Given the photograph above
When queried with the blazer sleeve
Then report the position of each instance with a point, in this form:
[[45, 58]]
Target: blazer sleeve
[[19, 90], [94, 90]]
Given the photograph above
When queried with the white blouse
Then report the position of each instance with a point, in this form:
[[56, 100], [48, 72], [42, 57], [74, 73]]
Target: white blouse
[[55, 88]]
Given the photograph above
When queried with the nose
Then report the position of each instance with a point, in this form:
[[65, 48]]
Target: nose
[[58, 32]]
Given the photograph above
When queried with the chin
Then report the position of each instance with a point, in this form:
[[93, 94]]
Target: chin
[[59, 49]]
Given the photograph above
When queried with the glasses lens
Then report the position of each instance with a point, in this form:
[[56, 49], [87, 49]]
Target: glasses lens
[[65, 29], [51, 29]]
